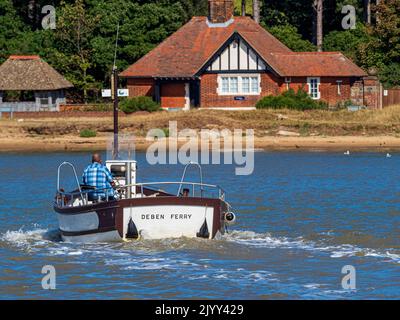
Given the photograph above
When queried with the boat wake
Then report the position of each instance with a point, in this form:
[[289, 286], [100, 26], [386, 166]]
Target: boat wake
[[40, 238], [266, 240], [35, 237]]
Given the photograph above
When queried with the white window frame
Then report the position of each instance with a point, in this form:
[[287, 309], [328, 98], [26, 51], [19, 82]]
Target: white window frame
[[288, 81], [309, 81], [339, 87], [240, 82]]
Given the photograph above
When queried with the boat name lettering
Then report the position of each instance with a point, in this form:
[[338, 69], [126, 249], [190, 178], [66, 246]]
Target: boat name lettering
[[173, 216]]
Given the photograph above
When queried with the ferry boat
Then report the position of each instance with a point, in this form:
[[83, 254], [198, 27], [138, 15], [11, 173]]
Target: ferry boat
[[133, 210]]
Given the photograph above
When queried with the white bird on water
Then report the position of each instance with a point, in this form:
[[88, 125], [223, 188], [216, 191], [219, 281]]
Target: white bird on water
[[388, 155], [347, 153]]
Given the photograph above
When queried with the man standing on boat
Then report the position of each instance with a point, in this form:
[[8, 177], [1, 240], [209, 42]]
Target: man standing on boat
[[98, 176]]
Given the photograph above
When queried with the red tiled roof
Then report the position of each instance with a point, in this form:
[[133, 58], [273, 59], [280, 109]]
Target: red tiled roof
[[189, 48], [16, 57], [186, 51], [316, 64]]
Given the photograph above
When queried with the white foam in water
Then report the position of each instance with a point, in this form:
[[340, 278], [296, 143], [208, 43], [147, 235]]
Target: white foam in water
[[25, 238], [75, 253], [312, 286], [203, 276], [37, 238], [251, 238], [150, 263]]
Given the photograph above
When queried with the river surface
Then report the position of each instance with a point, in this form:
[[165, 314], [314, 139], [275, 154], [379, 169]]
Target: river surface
[[302, 217]]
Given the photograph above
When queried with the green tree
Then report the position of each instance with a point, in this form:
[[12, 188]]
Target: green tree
[[11, 26], [383, 48], [387, 29], [390, 75], [73, 34], [142, 28], [348, 41], [290, 36]]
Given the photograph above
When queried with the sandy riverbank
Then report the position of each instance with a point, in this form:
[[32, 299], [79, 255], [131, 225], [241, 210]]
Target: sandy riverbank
[[334, 144], [369, 130]]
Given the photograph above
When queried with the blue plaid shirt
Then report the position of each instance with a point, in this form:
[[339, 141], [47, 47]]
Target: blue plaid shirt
[[97, 175]]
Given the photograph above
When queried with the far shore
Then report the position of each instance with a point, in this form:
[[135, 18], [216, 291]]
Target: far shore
[[272, 143], [313, 130]]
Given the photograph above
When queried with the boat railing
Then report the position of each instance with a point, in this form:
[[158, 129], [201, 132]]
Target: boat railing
[[83, 197]]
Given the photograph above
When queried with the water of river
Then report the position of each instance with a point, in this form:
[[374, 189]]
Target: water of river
[[302, 217]]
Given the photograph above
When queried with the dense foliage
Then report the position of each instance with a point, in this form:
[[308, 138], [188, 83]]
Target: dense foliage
[[82, 45], [290, 99], [141, 103]]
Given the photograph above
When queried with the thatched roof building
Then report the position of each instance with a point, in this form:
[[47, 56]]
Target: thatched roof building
[[32, 74]]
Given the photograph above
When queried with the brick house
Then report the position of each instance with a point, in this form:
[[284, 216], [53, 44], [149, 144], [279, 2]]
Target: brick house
[[228, 62]]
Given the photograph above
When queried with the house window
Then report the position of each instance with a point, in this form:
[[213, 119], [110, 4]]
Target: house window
[[44, 101], [245, 84], [254, 85], [288, 80], [233, 85], [339, 87], [225, 84], [239, 84], [313, 88]]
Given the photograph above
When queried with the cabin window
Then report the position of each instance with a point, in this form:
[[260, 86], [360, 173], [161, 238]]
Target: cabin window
[[313, 88], [239, 84], [339, 87]]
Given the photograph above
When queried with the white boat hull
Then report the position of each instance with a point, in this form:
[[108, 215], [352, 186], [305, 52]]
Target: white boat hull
[[158, 222], [147, 218]]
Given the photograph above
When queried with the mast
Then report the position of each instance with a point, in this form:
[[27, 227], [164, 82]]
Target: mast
[[115, 88], [114, 83]]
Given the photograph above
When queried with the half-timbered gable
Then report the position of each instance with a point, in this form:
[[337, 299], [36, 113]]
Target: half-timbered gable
[[236, 56]]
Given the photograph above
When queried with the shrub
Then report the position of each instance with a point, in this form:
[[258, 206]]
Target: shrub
[[87, 133], [342, 105], [290, 99], [166, 132], [141, 103]]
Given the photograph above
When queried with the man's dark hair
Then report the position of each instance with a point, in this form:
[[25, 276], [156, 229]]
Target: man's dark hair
[[96, 157]]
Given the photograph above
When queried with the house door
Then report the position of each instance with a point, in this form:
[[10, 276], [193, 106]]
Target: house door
[[175, 96]]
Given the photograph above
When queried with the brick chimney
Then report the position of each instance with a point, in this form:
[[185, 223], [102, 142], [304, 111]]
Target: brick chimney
[[220, 11]]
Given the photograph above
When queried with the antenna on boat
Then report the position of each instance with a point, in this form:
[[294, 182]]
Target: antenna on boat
[[114, 85]]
